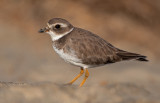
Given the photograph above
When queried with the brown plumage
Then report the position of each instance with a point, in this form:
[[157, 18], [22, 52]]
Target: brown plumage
[[92, 49]]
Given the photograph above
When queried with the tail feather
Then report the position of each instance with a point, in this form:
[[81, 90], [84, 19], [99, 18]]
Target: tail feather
[[128, 56], [142, 59]]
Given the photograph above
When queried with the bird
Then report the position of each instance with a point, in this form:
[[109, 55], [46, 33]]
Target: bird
[[83, 48]]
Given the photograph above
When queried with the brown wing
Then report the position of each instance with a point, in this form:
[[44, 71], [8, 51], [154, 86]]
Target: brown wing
[[92, 49]]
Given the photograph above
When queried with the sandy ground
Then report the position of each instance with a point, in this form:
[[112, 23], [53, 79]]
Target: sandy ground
[[58, 93]]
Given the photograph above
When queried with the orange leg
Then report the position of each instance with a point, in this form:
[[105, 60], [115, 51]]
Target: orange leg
[[86, 76], [80, 74]]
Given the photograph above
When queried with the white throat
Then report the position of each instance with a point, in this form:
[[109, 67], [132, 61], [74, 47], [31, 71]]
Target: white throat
[[56, 37]]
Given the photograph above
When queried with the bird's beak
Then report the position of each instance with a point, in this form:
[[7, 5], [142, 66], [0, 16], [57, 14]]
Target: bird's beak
[[43, 30]]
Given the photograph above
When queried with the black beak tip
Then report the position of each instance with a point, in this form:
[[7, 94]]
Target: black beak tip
[[41, 31]]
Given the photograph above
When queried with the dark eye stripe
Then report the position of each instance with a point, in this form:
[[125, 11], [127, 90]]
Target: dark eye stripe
[[57, 26]]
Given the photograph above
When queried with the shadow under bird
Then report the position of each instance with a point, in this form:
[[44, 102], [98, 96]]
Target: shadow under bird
[[83, 48]]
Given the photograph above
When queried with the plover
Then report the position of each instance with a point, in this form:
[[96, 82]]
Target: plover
[[83, 48]]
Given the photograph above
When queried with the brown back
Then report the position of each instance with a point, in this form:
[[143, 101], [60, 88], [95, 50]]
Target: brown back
[[88, 47]]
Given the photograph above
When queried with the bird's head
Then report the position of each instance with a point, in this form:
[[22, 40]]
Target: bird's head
[[57, 28]]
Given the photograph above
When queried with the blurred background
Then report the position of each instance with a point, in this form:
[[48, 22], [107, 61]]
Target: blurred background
[[27, 56]]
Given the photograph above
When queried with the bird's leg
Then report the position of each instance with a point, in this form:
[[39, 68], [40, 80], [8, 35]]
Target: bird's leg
[[80, 74], [86, 76]]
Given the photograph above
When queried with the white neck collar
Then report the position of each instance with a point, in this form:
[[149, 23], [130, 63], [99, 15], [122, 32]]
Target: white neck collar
[[56, 37]]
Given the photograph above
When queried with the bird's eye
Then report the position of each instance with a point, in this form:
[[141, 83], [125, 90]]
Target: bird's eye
[[57, 26]]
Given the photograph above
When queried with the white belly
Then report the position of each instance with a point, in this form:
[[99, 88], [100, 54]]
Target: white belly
[[70, 58]]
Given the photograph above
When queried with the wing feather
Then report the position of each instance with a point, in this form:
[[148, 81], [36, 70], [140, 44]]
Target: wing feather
[[92, 49]]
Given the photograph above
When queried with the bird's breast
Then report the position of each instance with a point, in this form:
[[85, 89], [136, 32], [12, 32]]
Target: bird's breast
[[69, 57]]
